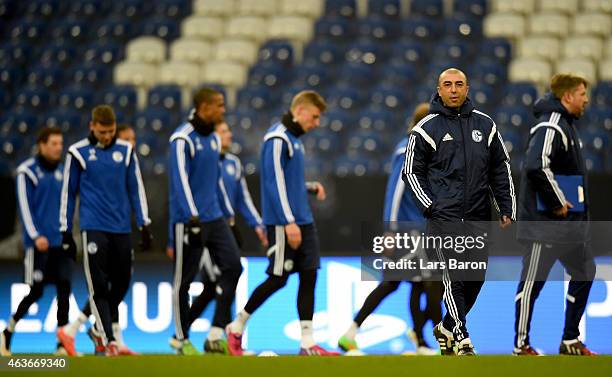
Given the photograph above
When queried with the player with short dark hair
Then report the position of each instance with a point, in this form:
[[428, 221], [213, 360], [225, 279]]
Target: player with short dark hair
[[197, 220], [286, 213], [104, 172], [551, 226], [39, 185]]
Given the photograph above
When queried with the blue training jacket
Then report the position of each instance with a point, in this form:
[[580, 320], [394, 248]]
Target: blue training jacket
[[237, 191]]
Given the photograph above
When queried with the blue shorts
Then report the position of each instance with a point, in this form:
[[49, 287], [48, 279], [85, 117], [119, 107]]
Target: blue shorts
[[283, 259]]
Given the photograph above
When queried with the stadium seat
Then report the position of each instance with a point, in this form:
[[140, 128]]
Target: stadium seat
[[122, 98], [155, 120], [509, 25], [147, 49], [73, 30], [568, 7], [335, 29], [518, 117], [358, 74], [16, 52], [5, 99], [245, 120], [89, 9], [28, 30], [377, 119], [269, 75], [161, 27], [525, 7], [225, 8], [182, 74], [377, 28], [137, 74], [118, 29], [45, 9], [474, 8], [67, 120], [33, 98], [258, 98], [483, 96], [253, 28], [353, 166], [337, 120], [605, 70], [323, 142], [203, 27], [520, 93], [165, 97], [225, 73], [387, 97], [499, 49], [191, 50], [76, 97], [398, 73], [583, 47], [132, 9], [549, 24], [276, 51], [385, 8], [452, 50], [346, 98], [293, 28], [530, 69], [608, 48], [540, 47], [602, 6], [10, 77], [264, 8], [323, 52], [408, 52], [596, 140], [18, 123], [239, 50], [512, 140], [593, 161], [312, 75], [366, 51], [601, 117], [175, 9], [427, 8], [95, 75], [341, 8], [104, 52], [308, 8], [595, 24], [422, 29], [583, 67], [463, 27], [601, 95]]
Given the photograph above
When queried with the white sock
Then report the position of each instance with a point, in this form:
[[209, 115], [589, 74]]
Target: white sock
[[351, 333], [464, 342], [239, 322], [11, 325], [117, 334], [215, 333], [307, 338], [73, 327]]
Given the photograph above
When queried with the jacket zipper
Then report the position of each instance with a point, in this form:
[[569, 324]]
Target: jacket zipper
[[464, 169]]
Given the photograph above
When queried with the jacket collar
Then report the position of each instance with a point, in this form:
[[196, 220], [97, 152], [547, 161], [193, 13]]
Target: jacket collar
[[201, 126], [437, 107], [293, 126], [46, 164], [549, 104], [93, 141]]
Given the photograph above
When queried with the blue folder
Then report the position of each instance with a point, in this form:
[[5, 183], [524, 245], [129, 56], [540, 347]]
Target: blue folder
[[573, 189]]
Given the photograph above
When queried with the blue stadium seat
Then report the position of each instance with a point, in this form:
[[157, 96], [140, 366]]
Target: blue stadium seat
[[520, 93], [474, 8], [391, 98], [483, 96], [359, 74], [89, 9], [11, 9], [366, 51], [427, 8], [408, 51], [73, 30], [514, 140], [464, 27], [341, 8], [425, 92], [115, 28], [385, 8], [337, 120], [33, 98], [132, 9], [323, 52], [15, 53], [379, 29], [243, 120], [28, 30], [67, 120], [312, 75], [594, 161], [596, 140], [49, 76], [256, 97], [11, 77], [454, 51], [499, 49], [76, 97], [489, 72], [165, 97], [269, 74], [422, 29], [514, 116], [59, 52], [165, 28], [176, 9], [378, 120], [323, 142], [354, 166], [366, 143], [5, 99], [599, 118], [11, 148], [122, 98], [601, 95], [46, 8], [335, 28], [153, 120], [277, 52], [18, 123], [95, 75], [106, 52], [400, 74]]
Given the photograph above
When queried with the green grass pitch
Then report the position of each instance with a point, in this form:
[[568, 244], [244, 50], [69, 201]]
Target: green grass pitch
[[295, 366]]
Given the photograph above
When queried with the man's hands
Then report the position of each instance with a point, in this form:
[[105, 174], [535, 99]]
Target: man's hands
[[194, 231], [562, 211], [317, 189], [505, 222], [146, 239], [294, 235], [68, 245], [42, 244], [260, 230]]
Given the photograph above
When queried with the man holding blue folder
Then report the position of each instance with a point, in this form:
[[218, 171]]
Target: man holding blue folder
[[554, 212]]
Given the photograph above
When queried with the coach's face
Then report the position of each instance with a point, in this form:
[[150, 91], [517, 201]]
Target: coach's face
[[104, 133], [453, 89], [212, 111], [52, 149], [577, 100], [308, 116]]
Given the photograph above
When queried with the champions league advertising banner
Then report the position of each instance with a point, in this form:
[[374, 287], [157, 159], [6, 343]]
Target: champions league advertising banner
[[146, 312]]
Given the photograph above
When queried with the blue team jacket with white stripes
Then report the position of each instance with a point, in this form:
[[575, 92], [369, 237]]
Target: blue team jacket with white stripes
[[456, 163], [237, 190], [109, 184], [399, 205], [194, 176], [38, 193], [554, 149], [283, 188]]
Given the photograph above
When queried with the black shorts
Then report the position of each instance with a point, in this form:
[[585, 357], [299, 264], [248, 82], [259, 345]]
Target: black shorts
[[47, 267], [283, 259]]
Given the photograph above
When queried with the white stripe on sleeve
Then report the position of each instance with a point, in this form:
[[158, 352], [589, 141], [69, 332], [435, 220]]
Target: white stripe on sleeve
[[180, 158], [24, 207], [280, 180], [142, 195], [64, 197]]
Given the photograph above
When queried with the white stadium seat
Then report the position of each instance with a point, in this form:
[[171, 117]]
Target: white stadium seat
[[222, 8], [592, 23], [539, 47], [603, 6], [179, 73], [582, 67], [608, 48], [238, 50], [146, 50], [519, 6], [583, 47], [308, 8], [294, 28], [564, 6], [226, 73], [191, 50], [510, 25], [140, 75], [605, 70], [553, 24], [202, 27], [254, 28], [530, 69], [265, 8]]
